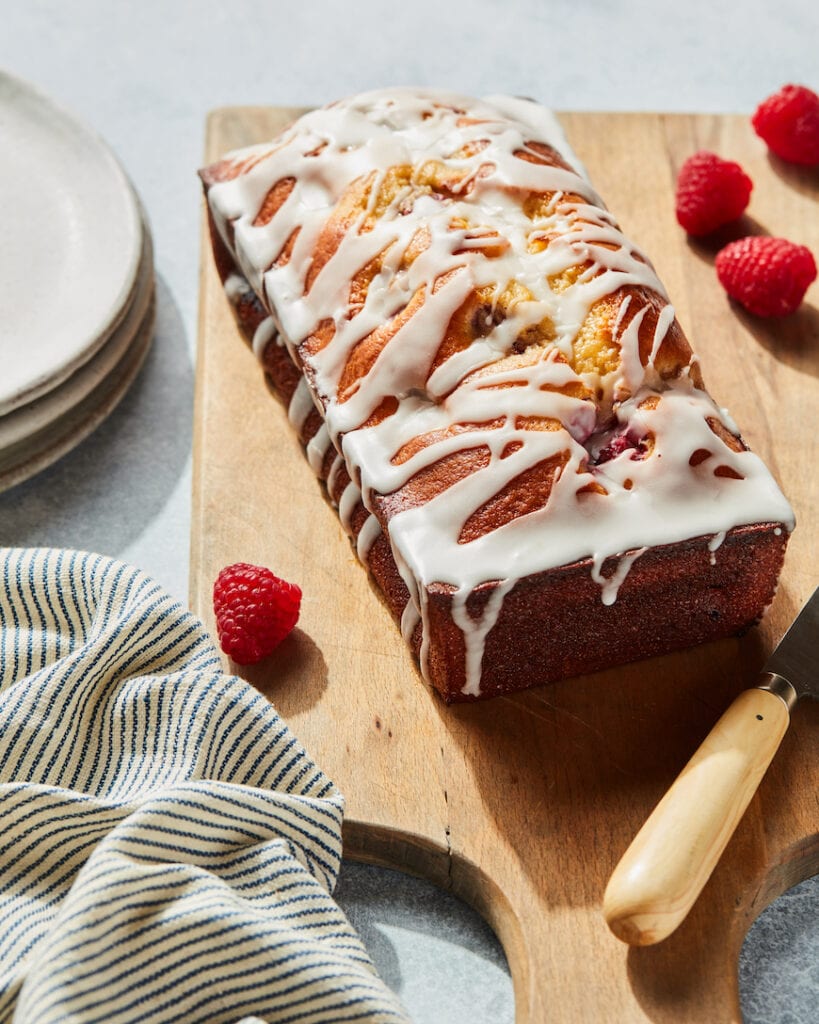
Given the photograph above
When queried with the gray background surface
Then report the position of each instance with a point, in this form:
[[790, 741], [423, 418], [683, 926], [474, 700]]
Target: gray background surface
[[144, 75]]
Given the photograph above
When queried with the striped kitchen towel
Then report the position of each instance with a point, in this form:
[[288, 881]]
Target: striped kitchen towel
[[167, 847]]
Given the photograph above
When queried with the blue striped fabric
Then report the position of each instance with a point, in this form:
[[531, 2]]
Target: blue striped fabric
[[167, 847]]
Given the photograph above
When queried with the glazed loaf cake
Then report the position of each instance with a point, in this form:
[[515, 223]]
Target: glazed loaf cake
[[491, 382]]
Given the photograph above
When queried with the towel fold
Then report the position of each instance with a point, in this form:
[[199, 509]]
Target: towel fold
[[167, 847]]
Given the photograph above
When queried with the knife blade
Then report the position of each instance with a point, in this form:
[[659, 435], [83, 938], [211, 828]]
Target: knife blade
[[792, 671], [665, 868]]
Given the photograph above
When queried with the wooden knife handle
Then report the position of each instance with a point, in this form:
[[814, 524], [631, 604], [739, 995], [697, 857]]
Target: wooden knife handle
[[672, 856]]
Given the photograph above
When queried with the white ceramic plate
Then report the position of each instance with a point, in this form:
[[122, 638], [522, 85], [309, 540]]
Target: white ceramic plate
[[72, 244], [41, 448], [30, 419]]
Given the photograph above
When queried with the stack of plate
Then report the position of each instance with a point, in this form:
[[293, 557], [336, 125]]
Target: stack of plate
[[76, 282]]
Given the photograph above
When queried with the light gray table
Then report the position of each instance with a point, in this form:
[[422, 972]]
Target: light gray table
[[144, 74]]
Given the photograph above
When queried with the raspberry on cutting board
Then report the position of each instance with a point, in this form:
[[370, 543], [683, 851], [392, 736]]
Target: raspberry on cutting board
[[255, 611], [768, 276], [711, 192], [788, 121]]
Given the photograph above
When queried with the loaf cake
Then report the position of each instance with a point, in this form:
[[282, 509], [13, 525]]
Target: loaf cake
[[490, 380]]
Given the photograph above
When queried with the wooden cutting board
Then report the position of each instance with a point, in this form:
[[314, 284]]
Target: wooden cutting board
[[523, 805]]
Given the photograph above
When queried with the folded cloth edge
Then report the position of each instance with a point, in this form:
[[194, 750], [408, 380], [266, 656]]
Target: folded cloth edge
[[150, 803]]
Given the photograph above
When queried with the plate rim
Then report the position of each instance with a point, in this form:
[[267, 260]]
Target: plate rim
[[29, 419], [46, 446]]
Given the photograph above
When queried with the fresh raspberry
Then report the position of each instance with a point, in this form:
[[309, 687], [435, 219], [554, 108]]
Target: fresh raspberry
[[789, 122], [255, 611], [621, 443], [711, 192], [768, 276]]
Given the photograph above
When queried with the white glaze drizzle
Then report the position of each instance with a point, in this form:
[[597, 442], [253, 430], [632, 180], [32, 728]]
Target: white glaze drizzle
[[610, 585], [715, 543], [335, 469], [367, 536], [350, 497], [648, 501], [264, 333], [476, 630], [301, 405], [236, 287], [410, 618], [317, 448]]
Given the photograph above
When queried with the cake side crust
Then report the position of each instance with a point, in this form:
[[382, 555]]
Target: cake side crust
[[555, 626]]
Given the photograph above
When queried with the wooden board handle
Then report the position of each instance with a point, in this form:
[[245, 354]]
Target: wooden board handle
[[672, 856]]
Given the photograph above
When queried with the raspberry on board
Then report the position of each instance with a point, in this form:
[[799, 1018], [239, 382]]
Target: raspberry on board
[[711, 192], [768, 276], [255, 610], [788, 121]]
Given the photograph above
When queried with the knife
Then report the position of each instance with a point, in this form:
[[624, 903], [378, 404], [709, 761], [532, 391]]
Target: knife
[[672, 856]]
